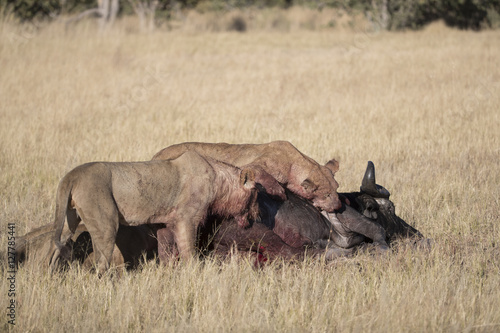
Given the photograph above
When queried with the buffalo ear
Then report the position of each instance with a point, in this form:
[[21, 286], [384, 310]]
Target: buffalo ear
[[332, 165], [308, 185], [247, 178]]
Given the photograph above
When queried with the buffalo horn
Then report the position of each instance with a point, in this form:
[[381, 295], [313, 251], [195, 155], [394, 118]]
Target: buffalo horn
[[369, 186]]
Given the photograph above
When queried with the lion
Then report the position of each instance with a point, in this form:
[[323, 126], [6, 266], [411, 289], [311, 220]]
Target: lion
[[276, 163], [179, 193], [32, 245], [133, 243]]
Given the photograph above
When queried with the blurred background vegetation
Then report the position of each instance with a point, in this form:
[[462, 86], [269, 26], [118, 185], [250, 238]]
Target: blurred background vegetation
[[383, 14]]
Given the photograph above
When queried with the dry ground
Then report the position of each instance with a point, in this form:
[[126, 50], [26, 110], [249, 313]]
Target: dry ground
[[424, 106]]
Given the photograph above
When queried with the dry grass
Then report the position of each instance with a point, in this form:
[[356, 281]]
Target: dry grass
[[422, 105]]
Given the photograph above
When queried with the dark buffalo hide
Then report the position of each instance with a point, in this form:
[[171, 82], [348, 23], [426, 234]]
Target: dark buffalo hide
[[292, 228]]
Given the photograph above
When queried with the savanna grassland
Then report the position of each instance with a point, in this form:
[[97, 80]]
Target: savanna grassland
[[423, 106]]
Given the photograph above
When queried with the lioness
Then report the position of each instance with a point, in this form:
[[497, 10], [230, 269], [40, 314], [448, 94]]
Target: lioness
[[179, 193], [275, 161], [132, 244]]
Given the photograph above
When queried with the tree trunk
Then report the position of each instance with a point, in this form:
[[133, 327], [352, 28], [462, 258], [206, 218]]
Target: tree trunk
[[380, 14], [145, 10], [104, 12]]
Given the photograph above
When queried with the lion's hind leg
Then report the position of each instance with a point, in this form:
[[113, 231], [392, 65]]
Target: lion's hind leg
[[73, 219], [102, 224]]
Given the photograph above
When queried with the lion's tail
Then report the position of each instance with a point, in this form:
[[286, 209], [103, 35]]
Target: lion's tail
[[63, 199]]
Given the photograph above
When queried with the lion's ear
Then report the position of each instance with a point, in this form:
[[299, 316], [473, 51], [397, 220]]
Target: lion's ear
[[308, 185], [332, 165], [247, 178]]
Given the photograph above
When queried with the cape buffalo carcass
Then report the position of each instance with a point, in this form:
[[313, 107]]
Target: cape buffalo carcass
[[292, 228]]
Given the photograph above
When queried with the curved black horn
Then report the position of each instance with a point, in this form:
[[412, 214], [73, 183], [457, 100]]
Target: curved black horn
[[369, 178], [369, 186]]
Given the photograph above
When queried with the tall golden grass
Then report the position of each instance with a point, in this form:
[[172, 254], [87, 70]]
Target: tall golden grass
[[424, 106]]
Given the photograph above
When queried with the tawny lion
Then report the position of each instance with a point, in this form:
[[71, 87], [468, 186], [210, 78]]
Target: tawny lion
[[179, 193]]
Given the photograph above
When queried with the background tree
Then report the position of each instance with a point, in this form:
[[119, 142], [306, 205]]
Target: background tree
[[384, 14], [145, 10]]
